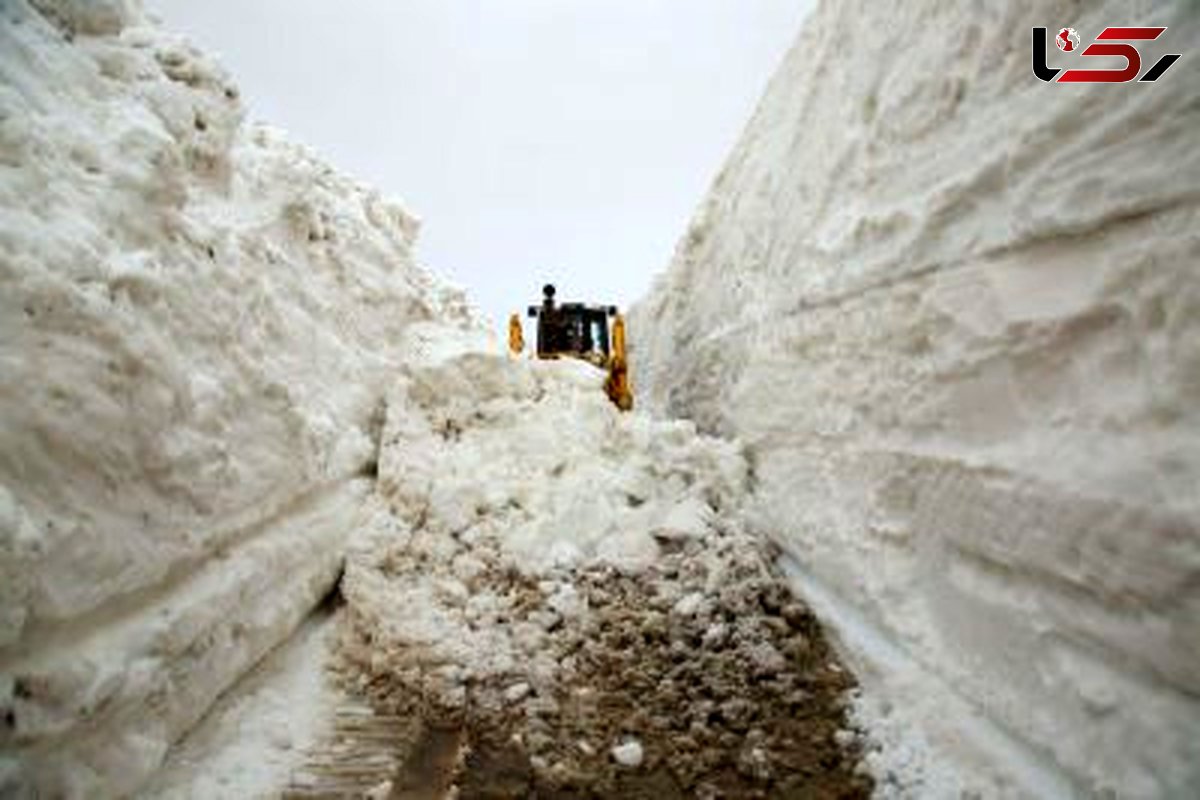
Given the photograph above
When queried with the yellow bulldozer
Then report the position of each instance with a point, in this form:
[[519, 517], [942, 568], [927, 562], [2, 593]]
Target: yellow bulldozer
[[595, 334]]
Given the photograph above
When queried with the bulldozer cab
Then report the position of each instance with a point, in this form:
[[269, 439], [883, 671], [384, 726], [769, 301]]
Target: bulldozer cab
[[572, 329], [578, 330]]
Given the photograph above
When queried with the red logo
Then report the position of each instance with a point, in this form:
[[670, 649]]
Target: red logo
[[1110, 42], [1067, 40]]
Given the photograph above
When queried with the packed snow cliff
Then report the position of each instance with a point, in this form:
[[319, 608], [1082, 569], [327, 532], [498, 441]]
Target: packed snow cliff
[[197, 322], [953, 312]]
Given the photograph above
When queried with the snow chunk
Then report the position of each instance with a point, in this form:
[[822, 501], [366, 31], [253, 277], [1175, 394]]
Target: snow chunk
[[628, 753], [94, 17], [517, 692], [689, 604]]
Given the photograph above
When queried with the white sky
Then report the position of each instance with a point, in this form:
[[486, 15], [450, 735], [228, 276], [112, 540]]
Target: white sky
[[538, 140]]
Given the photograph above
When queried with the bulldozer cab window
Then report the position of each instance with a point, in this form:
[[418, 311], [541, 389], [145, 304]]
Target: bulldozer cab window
[[589, 333], [599, 336], [575, 329]]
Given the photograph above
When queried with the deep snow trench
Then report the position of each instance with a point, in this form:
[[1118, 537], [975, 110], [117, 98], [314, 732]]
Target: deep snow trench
[[224, 370], [906, 341]]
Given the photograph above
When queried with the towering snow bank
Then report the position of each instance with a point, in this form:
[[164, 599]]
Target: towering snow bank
[[954, 314], [197, 321]]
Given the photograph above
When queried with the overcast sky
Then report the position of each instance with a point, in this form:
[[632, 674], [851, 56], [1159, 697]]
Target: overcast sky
[[537, 140]]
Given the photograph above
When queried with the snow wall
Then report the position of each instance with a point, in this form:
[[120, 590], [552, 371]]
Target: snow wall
[[197, 323], [954, 313]]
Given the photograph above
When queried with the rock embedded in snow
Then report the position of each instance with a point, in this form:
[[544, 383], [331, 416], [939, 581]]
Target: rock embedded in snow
[[197, 322], [628, 753], [953, 313]]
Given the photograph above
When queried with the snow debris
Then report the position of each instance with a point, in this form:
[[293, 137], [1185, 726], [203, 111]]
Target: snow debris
[[515, 584], [517, 692], [628, 753], [689, 604], [507, 476]]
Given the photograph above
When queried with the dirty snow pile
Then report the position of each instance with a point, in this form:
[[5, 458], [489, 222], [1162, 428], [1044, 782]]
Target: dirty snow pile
[[953, 313], [197, 320], [544, 567], [491, 465]]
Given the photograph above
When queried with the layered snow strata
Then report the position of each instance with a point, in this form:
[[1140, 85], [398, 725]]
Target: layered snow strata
[[259, 734], [197, 320], [953, 312]]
